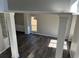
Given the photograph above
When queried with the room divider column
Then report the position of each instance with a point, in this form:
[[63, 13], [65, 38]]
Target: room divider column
[[12, 34], [63, 18], [74, 50], [27, 23], [69, 23]]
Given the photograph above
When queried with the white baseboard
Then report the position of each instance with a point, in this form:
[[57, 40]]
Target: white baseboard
[[46, 34], [20, 28]]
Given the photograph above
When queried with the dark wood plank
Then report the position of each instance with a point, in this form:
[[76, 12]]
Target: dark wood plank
[[34, 46]]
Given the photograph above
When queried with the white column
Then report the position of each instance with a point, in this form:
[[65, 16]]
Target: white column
[[27, 23], [74, 51], [69, 23], [76, 38], [12, 34], [74, 18], [63, 18]]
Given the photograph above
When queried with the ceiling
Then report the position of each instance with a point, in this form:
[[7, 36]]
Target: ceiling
[[55, 6]]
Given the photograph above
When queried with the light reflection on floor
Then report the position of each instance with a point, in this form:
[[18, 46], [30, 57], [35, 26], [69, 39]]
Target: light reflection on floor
[[53, 44]]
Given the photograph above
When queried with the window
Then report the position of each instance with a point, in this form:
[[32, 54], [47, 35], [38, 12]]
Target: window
[[34, 24]]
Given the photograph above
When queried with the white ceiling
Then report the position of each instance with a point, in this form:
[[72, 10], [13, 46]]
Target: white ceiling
[[38, 5]]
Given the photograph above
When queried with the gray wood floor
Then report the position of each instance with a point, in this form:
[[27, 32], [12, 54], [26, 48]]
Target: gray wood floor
[[34, 46]]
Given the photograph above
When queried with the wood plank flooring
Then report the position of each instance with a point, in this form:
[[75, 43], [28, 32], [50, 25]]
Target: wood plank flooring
[[34, 46]]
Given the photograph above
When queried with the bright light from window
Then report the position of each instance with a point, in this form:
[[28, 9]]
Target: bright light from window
[[34, 24], [53, 44]]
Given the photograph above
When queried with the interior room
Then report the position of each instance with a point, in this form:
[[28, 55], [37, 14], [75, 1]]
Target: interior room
[[36, 35], [39, 28]]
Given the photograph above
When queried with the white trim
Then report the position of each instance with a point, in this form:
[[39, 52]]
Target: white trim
[[45, 34], [38, 12]]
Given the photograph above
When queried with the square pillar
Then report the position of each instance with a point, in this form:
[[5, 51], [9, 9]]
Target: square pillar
[[63, 18], [27, 23], [74, 50], [69, 23], [12, 34]]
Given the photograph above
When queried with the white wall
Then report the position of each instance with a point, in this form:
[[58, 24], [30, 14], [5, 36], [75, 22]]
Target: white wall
[[19, 21], [23, 22], [3, 5], [47, 24], [4, 40]]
